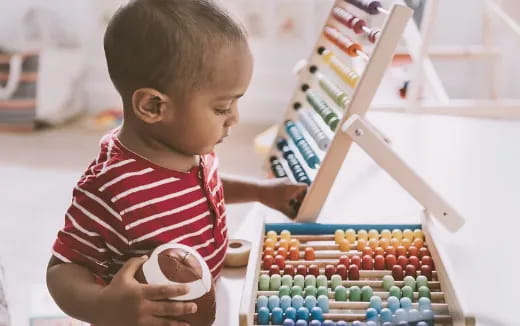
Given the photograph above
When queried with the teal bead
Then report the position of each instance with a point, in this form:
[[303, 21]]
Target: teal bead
[[424, 303], [290, 313], [407, 292], [276, 282], [302, 313], [376, 303], [263, 316], [335, 281], [287, 280], [310, 280], [386, 315], [323, 290], [393, 303], [317, 314], [424, 291], [297, 302], [296, 290], [274, 301], [277, 316], [388, 282], [421, 280], [321, 280], [310, 291], [284, 290], [395, 292], [310, 302], [366, 293], [355, 293], [323, 303], [264, 282], [409, 281], [340, 293], [299, 280], [371, 314], [406, 303], [261, 301]]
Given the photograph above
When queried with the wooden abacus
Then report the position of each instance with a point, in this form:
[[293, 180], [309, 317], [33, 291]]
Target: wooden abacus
[[314, 152]]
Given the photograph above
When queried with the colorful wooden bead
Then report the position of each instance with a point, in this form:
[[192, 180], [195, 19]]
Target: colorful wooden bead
[[344, 260], [314, 270], [407, 292], [408, 234], [296, 290], [264, 282], [384, 242], [330, 270], [353, 272], [427, 314], [406, 243], [413, 251], [272, 235], [339, 235], [284, 290], [410, 281], [367, 251], [386, 314], [426, 271], [386, 234], [424, 291], [285, 302], [355, 260], [301, 322], [395, 291], [423, 252], [302, 313], [280, 261], [283, 243], [322, 290], [390, 261], [355, 293], [379, 262], [294, 253], [261, 301], [367, 263], [268, 251], [424, 303], [376, 302], [274, 269], [276, 282], [392, 303], [286, 235], [390, 250], [414, 260], [397, 273], [398, 234], [388, 282], [401, 315], [371, 314], [379, 251], [373, 234], [314, 322], [427, 260], [395, 242], [310, 254], [411, 270], [400, 251], [323, 303], [297, 302], [289, 322], [267, 262], [276, 316], [310, 291], [281, 252], [414, 315], [310, 302], [294, 243], [335, 281], [402, 261], [290, 313], [421, 280], [317, 314], [269, 243], [342, 271], [419, 243], [273, 301], [299, 280], [418, 234], [406, 302], [366, 293], [301, 270], [361, 243], [263, 316], [321, 280], [362, 235], [350, 235], [344, 245], [340, 293], [289, 270]]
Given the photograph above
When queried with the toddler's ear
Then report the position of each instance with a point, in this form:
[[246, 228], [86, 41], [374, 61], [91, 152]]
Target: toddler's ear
[[149, 105]]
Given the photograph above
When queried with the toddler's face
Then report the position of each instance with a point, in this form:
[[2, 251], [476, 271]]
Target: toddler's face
[[207, 115]]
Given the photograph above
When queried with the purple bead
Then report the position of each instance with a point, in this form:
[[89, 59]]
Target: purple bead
[[301, 322], [288, 322], [315, 323]]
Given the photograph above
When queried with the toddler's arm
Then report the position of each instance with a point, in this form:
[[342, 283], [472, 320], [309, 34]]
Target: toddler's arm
[[123, 302]]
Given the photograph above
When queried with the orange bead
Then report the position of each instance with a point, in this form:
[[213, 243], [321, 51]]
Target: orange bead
[[283, 244], [282, 252], [361, 243], [344, 245], [294, 254], [269, 251], [373, 243], [406, 243], [394, 242], [269, 243], [309, 253], [418, 243], [384, 242], [294, 243], [390, 250], [367, 251], [379, 251], [400, 251]]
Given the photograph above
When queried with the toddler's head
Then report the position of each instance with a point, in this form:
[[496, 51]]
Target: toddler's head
[[180, 67]]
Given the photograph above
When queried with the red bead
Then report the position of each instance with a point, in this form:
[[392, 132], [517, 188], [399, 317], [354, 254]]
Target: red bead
[[400, 251], [294, 254], [390, 250], [367, 263], [379, 251], [413, 251], [269, 251], [268, 261], [344, 260], [288, 270], [403, 261], [282, 252], [411, 271], [356, 260], [301, 269], [426, 270], [397, 273], [309, 254], [423, 251], [353, 272], [280, 261], [274, 270], [314, 270], [342, 271], [379, 262], [329, 271], [368, 251], [413, 260], [427, 260], [390, 261]]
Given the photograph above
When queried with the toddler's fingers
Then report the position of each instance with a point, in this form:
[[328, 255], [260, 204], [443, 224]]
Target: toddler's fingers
[[162, 292], [172, 308], [130, 268], [159, 321]]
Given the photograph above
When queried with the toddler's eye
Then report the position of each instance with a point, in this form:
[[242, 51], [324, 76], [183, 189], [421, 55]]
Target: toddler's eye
[[222, 111]]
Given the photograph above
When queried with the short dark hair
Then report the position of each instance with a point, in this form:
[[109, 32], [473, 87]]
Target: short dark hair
[[166, 44]]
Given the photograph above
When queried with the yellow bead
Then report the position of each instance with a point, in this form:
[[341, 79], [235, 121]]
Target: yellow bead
[[362, 234], [373, 243], [283, 243], [394, 242], [285, 234], [418, 234], [272, 235], [294, 243], [373, 234], [386, 234], [269, 243], [384, 243], [406, 243], [350, 235], [344, 245], [361, 244], [408, 234], [397, 234], [339, 235]]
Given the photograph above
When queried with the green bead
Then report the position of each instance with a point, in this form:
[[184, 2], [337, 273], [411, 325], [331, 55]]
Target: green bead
[[296, 290], [340, 294], [395, 292], [388, 282], [276, 282], [287, 280], [322, 290], [424, 291], [264, 282], [284, 290], [366, 293], [310, 280], [407, 292], [421, 281], [335, 281], [410, 281], [310, 291], [354, 293], [321, 280], [299, 280]]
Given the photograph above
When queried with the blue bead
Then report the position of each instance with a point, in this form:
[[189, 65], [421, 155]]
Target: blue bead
[[393, 303], [263, 316], [285, 302], [414, 315], [310, 302], [277, 315], [386, 315], [402, 323], [387, 323], [424, 303], [297, 302], [302, 313], [328, 323], [427, 314], [376, 303], [315, 323], [371, 314], [274, 301], [357, 323], [406, 303], [317, 314], [301, 322], [290, 313], [323, 303], [261, 302], [371, 323], [341, 323], [422, 323], [288, 322], [401, 315]]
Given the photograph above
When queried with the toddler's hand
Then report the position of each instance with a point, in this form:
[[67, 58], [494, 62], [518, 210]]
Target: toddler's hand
[[283, 195], [126, 302]]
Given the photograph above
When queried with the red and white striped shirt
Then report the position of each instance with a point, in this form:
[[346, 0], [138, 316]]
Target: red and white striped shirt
[[124, 205]]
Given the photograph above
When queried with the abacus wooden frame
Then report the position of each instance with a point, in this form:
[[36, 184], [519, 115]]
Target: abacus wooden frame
[[249, 294]]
